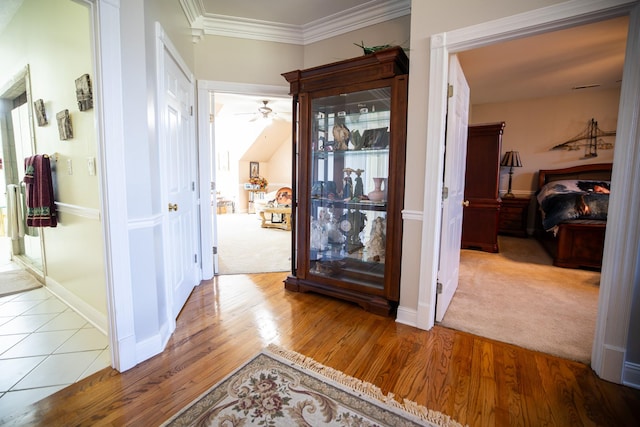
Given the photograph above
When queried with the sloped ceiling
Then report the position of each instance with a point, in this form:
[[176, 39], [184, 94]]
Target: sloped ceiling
[[241, 111]]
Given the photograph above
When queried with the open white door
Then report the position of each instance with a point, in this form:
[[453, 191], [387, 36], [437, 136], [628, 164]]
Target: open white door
[[453, 197], [182, 256], [211, 102]]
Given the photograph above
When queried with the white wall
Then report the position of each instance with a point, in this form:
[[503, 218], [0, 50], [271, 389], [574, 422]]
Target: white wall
[[138, 18], [54, 38]]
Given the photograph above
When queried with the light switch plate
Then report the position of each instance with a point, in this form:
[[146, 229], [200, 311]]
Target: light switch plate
[[69, 167], [91, 165]]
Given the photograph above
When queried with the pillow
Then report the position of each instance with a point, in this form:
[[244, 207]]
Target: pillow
[[284, 196]]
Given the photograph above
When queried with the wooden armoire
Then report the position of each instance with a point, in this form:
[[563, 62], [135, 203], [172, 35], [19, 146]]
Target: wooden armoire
[[481, 192]]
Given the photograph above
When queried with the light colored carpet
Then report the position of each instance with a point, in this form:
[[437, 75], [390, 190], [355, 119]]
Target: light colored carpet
[[15, 281], [517, 296], [245, 247]]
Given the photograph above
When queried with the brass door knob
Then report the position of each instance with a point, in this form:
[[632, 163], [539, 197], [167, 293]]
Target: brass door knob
[[173, 207], [465, 203]]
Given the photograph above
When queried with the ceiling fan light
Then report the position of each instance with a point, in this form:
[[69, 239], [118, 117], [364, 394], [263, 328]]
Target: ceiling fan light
[[264, 110]]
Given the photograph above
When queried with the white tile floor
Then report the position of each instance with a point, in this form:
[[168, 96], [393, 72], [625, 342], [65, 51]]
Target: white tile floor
[[44, 347]]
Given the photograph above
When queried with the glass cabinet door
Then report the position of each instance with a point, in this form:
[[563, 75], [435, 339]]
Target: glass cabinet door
[[349, 174]]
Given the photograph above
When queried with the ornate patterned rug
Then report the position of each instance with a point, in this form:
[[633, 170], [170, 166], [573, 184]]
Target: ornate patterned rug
[[279, 387]]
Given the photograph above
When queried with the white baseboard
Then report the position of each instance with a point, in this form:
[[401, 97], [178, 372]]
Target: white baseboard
[[631, 375], [155, 344], [93, 316], [407, 316]]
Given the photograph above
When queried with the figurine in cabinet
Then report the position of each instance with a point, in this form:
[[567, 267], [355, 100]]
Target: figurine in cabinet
[[353, 117]]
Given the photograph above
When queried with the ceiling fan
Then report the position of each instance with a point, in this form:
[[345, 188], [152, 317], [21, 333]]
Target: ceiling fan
[[265, 110]]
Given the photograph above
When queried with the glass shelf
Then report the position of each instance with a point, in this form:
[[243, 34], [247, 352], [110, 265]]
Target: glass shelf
[[348, 207]]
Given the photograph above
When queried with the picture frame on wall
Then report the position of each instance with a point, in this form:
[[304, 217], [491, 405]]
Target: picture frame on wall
[[254, 169], [64, 125], [84, 94], [41, 113]]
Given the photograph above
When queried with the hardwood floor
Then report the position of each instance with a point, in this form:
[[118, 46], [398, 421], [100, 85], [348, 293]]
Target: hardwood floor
[[227, 320]]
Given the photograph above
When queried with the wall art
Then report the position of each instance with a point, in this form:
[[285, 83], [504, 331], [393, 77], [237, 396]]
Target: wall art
[[254, 169], [41, 114], [84, 93], [64, 125]]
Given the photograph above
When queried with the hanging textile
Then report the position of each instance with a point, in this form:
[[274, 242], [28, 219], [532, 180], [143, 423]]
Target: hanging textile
[[41, 208], [15, 219]]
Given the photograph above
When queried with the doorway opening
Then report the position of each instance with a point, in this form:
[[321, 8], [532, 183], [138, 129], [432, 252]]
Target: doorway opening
[[23, 244], [251, 167], [483, 119]]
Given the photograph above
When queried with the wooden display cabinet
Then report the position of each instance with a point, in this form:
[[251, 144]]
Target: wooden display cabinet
[[349, 174]]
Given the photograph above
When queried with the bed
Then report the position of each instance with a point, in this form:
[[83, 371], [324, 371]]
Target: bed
[[571, 214]]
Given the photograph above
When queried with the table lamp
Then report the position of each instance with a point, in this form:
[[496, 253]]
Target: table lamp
[[511, 159]]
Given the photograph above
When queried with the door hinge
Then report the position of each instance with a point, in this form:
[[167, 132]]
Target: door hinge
[[445, 193], [193, 186], [195, 258], [211, 116], [450, 91], [215, 250], [438, 288], [191, 110]]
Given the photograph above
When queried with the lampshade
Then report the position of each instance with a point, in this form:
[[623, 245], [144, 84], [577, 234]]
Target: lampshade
[[511, 159]]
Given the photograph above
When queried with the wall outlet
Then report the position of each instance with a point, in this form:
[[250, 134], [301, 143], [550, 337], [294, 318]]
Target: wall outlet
[[69, 167], [91, 165]]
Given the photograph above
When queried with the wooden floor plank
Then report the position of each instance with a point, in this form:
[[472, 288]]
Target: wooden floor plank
[[229, 319]]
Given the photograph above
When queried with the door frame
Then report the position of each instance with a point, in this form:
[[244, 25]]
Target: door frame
[[206, 147], [621, 249]]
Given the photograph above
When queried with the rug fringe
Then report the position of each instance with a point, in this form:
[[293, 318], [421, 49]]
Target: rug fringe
[[368, 389]]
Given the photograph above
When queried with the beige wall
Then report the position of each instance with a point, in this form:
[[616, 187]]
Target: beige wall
[[429, 18], [245, 61], [534, 126], [54, 39], [279, 165], [393, 32]]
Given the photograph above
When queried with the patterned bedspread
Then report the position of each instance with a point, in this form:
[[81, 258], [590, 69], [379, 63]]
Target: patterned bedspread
[[573, 199]]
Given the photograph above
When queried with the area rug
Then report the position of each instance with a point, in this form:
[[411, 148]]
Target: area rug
[[279, 387], [15, 281]]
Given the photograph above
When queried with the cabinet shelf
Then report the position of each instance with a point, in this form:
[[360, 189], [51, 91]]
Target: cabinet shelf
[[350, 145]]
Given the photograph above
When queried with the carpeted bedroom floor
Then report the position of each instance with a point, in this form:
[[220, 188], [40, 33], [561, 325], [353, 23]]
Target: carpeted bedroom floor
[[517, 296]]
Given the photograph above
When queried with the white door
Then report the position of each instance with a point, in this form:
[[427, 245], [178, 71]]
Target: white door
[[180, 179], [453, 199]]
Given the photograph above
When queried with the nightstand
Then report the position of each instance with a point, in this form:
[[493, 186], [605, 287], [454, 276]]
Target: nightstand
[[513, 216]]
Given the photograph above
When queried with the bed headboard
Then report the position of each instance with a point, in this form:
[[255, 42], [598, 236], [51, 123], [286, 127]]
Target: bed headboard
[[597, 171]]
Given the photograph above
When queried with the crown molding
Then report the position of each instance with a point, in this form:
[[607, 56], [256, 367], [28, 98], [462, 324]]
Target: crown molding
[[355, 18], [373, 12], [244, 28]]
